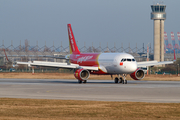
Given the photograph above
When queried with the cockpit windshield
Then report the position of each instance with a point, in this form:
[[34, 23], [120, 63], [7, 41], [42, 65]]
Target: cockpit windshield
[[128, 59]]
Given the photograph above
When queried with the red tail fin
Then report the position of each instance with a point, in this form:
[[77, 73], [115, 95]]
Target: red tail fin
[[72, 43]]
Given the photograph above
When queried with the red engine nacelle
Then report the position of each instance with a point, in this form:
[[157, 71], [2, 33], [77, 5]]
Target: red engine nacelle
[[81, 74], [138, 74]]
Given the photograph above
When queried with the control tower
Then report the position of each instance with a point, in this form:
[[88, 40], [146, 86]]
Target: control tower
[[158, 15]]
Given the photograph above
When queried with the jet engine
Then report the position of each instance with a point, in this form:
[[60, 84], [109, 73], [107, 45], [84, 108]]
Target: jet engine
[[138, 74], [81, 74]]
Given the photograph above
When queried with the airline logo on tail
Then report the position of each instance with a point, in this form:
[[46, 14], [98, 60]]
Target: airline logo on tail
[[71, 40], [72, 44]]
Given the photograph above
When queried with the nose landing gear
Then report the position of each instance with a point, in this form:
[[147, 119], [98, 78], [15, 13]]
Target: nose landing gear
[[119, 79]]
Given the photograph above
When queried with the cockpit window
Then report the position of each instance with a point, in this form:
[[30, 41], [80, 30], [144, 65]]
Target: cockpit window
[[133, 60], [128, 59]]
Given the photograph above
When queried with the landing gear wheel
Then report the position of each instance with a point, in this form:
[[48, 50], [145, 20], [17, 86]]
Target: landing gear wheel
[[79, 81], [121, 80], [84, 81], [116, 80], [125, 81]]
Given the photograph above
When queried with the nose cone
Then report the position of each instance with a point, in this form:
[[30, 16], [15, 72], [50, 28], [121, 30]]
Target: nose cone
[[133, 67], [129, 67]]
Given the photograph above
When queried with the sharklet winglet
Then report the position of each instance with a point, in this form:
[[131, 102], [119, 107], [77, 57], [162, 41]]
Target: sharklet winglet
[[5, 55]]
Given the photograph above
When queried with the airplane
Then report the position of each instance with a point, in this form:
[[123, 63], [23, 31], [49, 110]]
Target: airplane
[[85, 64]]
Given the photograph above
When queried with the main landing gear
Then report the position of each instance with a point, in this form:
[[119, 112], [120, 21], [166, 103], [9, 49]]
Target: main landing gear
[[120, 79], [82, 81]]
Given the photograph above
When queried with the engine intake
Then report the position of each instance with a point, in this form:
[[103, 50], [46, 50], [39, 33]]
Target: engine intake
[[81, 74], [138, 74]]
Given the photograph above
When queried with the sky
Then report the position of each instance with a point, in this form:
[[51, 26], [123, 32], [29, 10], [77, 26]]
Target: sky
[[94, 22]]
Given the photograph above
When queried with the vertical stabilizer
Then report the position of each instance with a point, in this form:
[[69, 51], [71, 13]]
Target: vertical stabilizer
[[72, 43]]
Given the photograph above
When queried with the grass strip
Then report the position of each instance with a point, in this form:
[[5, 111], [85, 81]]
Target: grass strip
[[42, 109]]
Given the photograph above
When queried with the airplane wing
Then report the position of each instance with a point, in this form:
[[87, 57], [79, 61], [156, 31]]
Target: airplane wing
[[152, 63], [56, 65]]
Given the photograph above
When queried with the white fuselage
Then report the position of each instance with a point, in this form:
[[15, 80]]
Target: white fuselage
[[117, 63]]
